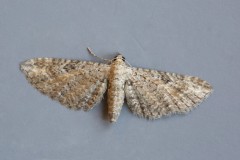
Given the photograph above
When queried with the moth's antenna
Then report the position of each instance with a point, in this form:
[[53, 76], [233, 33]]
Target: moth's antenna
[[93, 54], [128, 63]]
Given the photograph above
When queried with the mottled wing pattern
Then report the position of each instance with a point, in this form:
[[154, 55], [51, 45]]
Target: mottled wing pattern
[[152, 94], [75, 84]]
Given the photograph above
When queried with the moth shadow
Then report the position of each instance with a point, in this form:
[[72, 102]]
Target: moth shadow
[[104, 108]]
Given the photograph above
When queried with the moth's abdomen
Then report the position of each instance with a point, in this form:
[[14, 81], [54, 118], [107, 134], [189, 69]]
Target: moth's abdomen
[[115, 100], [117, 77]]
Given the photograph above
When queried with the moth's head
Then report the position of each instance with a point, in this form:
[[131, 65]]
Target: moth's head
[[119, 57]]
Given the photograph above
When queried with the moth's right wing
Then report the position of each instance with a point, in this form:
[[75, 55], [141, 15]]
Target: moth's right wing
[[75, 84], [152, 94]]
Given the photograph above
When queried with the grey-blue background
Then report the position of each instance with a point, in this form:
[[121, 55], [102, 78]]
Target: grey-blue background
[[194, 37]]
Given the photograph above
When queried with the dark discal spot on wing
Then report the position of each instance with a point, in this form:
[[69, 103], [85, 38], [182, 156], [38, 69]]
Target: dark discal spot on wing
[[165, 78], [70, 66]]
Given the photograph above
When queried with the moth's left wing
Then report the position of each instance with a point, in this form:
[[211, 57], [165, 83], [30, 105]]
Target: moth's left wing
[[75, 84], [152, 94]]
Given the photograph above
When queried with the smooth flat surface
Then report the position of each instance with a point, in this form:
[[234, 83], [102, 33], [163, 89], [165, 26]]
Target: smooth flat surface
[[194, 37]]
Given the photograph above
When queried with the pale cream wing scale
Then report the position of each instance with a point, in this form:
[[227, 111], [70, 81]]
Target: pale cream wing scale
[[75, 84], [152, 94]]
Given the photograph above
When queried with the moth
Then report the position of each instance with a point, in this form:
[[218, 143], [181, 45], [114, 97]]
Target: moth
[[149, 93]]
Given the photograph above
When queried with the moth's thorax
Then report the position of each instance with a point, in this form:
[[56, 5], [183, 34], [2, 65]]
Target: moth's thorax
[[119, 73]]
